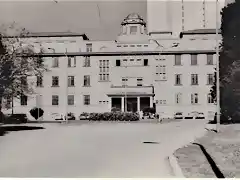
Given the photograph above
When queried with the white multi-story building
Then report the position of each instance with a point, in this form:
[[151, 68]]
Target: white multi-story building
[[169, 72]]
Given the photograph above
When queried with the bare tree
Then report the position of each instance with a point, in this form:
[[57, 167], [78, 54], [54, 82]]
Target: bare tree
[[17, 64]]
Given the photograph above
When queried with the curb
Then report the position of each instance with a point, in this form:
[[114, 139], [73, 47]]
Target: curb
[[177, 171]]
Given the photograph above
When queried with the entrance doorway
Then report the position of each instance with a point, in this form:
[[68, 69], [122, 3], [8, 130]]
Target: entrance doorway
[[132, 104]]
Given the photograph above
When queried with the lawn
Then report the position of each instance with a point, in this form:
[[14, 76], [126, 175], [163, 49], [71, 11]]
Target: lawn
[[223, 147]]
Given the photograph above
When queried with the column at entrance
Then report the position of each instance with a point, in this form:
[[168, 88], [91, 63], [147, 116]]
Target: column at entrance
[[110, 104], [138, 104], [151, 102], [122, 104]]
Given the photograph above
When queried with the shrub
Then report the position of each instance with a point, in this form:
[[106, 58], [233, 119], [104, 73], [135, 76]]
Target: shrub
[[36, 112], [114, 109], [148, 110], [114, 116]]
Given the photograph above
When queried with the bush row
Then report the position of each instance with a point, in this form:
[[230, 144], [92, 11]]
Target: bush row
[[114, 116]]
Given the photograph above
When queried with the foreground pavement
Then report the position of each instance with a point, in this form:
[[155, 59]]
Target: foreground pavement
[[95, 150]]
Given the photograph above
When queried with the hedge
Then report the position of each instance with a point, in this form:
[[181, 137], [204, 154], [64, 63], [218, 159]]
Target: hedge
[[114, 116]]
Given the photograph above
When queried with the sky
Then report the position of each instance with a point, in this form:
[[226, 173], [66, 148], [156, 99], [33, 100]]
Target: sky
[[75, 16]]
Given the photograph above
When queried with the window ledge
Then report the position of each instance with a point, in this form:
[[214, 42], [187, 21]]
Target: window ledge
[[160, 80], [54, 86], [104, 81], [55, 105], [178, 65], [71, 86], [194, 84], [178, 84], [209, 84], [86, 86], [86, 66], [39, 86]]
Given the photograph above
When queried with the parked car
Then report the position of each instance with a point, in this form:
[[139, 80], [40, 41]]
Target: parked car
[[192, 115], [164, 115], [178, 115], [15, 119], [61, 117], [71, 116], [58, 117], [84, 116], [200, 116]]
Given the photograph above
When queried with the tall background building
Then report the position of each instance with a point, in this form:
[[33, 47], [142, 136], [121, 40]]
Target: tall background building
[[182, 15]]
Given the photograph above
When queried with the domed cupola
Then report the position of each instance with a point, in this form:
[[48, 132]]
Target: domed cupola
[[133, 28], [133, 19]]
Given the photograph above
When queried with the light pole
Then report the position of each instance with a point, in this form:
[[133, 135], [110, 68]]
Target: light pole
[[125, 91], [217, 69]]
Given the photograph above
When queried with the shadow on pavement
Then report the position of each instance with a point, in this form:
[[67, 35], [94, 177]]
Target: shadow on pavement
[[213, 165], [6, 129]]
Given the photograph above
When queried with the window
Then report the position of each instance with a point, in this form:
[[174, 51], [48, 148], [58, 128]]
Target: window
[[55, 62], [178, 98], [132, 45], [70, 81], [161, 102], [145, 62], [131, 59], [24, 80], [89, 47], [39, 81], [138, 59], [86, 99], [210, 79], [8, 102], [161, 72], [70, 99], [194, 98], [55, 81], [55, 100], [23, 100], [194, 79], [210, 99], [86, 80], [178, 59], [124, 81], [209, 59], [139, 81], [178, 79], [104, 70], [194, 59], [118, 62], [133, 29], [72, 61], [86, 61]]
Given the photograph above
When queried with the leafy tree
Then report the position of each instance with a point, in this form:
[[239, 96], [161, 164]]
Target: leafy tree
[[15, 66], [36, 113], [229, 61]]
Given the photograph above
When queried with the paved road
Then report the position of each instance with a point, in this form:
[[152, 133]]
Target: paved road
[[96, 150]]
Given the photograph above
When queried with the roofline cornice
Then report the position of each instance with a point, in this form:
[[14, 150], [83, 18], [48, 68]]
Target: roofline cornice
[[126, 53]]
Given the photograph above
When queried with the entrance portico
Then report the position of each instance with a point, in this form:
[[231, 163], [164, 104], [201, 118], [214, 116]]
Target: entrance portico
[[131, 98], [131, 103]]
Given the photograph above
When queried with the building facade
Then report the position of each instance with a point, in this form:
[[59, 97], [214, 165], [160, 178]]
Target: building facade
[[137, 70]]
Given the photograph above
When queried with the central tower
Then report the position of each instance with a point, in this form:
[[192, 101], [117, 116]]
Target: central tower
[[133, 29]]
